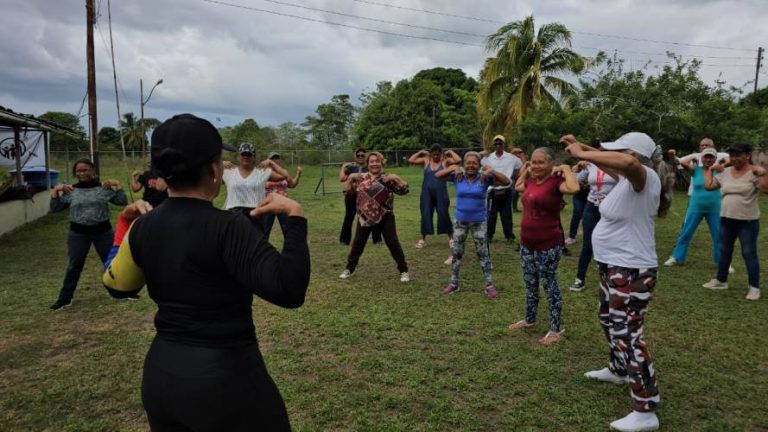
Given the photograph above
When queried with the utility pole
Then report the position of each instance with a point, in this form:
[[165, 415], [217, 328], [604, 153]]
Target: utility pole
[[143, 131], [94, 128], [759, 64], [114, 77], [142, 103]]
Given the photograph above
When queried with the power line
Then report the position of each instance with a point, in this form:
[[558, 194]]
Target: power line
[[387, 5], [109, 54], [341, 24], [294, 5], [428, 11]]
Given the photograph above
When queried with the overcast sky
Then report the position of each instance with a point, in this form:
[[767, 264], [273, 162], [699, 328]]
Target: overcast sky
[[229, 63]]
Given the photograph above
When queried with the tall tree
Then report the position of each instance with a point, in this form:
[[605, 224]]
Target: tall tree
[[133, 133], [61, 142], [109, 138], [525, 73], [330, 128], [436, 105]]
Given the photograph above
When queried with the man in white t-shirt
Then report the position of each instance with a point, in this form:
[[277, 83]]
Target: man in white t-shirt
[[500, 197], [703, 145]]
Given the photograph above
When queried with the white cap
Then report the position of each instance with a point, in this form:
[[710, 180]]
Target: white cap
[[635, 141]]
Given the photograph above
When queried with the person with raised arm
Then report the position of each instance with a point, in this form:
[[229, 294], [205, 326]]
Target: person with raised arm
[[702, 204], [202, 266], [740, 185], [470, 216], [625, 250], [279, 187], [350, 198], [88, 203], [375, 192], [500, 196], [246, 182], [542, 184], [434, 194]]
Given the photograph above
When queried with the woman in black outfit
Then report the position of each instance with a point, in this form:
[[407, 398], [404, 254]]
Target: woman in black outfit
[[202, 266]]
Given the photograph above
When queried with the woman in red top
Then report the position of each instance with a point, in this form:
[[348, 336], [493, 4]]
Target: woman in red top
[[542, 185]]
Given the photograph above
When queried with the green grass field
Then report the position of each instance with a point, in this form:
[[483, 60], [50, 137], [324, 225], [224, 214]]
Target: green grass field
[[374, 354]]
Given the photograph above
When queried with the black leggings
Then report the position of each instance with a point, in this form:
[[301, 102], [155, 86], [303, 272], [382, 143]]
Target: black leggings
[[388, 230], [188, 388]]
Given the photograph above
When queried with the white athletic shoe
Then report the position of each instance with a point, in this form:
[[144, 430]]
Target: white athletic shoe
[[753, 294], [715, 284], [606, 375], [637, 422], [731, 270], [405, 277], [345, 274], [577, 285], [671, 261]]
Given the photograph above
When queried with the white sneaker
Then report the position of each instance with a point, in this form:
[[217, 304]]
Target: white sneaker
[[637, 422], [671, 261], [606, 375], [577, 285], [731, 270], [715, 284], [405, 277], [345, 274], [753, 294]]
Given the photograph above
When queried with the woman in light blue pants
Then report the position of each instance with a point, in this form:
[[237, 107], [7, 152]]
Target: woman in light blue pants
[[703, 204]]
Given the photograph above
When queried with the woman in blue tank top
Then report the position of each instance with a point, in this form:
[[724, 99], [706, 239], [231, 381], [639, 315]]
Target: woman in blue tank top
[[471, 186], [434, 193]]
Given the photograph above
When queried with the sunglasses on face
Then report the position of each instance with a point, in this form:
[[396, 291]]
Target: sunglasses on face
[[360, 155]]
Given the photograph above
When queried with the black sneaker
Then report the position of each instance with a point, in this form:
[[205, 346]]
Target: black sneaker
[[60, 304]]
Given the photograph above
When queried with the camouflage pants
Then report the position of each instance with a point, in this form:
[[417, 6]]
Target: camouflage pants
[[624, 297], [540, 267], [479, 234]]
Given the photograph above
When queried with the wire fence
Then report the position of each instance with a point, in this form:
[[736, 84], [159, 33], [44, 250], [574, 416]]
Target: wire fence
[[290, 157]]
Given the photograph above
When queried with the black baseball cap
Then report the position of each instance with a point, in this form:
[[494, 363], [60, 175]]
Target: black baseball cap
[[741, 147], [185, 142]]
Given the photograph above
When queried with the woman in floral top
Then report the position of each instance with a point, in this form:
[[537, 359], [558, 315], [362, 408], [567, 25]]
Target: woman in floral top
[[375, 197]]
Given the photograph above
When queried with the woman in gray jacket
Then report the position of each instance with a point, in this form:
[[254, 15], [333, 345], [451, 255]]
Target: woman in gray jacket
[[87, 201]]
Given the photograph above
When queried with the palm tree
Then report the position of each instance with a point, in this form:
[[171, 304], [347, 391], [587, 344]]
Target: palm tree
[[133, 133], [525, 73]]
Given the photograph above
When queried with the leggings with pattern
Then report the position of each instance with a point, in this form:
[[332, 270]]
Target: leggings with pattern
[[479, 232], [624, 297], [540, 266]]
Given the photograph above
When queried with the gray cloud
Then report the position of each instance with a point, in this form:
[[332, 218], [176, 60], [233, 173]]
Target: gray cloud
[[233, 63]]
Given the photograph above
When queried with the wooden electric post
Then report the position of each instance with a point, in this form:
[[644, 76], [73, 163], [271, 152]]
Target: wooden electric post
[[93, 124]]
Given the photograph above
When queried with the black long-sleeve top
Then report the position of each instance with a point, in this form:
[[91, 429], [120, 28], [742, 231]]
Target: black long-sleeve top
[[202, 266]]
